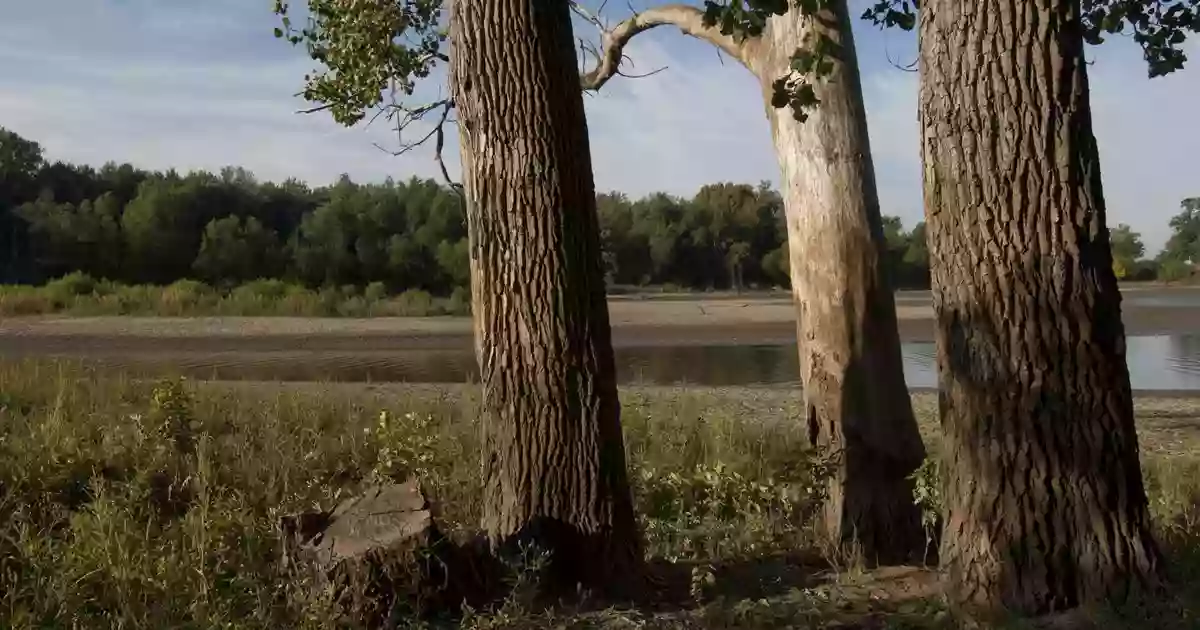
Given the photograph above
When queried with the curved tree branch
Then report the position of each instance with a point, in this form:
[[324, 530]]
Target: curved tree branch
[[686, 18]]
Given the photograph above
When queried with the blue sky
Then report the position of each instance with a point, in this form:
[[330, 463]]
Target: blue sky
[[202, 84]]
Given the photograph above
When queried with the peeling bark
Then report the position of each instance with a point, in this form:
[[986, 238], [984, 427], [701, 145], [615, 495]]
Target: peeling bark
[[1045, 505], [849, 344], [554, 459]]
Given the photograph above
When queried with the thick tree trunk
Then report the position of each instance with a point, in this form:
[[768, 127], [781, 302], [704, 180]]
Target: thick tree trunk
[[554, 461], [848, 340], [1045, 507], [850, 362]]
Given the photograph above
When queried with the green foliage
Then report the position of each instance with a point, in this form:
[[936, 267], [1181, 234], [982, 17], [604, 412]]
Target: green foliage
[[1174, 270], [714, 513], [1127, 250], [927, 495], [407, 444], [230, 230], [80, 294], [1160, 27], [109, 519], [1184, 244], [235, 249], [366, 48], [813, 62]]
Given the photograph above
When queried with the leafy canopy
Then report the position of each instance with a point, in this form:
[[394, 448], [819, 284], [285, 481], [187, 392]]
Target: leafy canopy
[[370, 48], [1160, 27]]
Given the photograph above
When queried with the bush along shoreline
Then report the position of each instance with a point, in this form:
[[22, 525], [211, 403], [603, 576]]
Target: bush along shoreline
[[79, 294]]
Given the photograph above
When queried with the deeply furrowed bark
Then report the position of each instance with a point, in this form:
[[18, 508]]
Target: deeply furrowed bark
[[851, 367], [554, 461], [1045, 506]]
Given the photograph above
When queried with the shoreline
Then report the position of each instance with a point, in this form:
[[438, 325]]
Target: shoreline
[[1151, 397], [634, 323]]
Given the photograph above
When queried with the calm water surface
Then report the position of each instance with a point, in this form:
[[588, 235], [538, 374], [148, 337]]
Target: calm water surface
[[1155, 363]]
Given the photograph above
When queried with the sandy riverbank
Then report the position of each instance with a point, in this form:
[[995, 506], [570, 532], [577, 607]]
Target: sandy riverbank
[[635, 323]]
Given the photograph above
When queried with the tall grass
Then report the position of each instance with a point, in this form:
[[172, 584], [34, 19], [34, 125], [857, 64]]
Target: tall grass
[[128, 504], [79, 294]]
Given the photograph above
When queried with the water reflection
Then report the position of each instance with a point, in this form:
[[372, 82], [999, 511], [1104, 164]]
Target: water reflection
[[1155, 363]]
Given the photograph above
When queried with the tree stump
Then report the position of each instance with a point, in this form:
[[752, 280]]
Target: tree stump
[[385, 558]]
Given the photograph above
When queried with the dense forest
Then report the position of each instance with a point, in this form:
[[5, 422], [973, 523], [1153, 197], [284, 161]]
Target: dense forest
[[133, 226]]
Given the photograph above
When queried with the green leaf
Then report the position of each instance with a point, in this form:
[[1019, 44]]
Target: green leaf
[[779, 94]]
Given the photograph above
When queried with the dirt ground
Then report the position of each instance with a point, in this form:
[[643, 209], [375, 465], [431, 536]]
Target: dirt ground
[[636, 322]]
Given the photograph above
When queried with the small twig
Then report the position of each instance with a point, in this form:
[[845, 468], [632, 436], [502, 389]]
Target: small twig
[[887, 51], [592, 18], [313, 110], [439, 143], [406, 116], [637, 76]]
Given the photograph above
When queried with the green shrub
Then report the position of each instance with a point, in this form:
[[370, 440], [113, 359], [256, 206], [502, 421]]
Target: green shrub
[[22, 300], [71, 285], [1175, 271], [713, 513], [459, 302], [263, 288], [353, 307], [184, 297], [412, 303], [375, 292], [79, 294]]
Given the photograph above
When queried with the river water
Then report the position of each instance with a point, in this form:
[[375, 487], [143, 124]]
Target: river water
[[1156, 362], [1170, 362]]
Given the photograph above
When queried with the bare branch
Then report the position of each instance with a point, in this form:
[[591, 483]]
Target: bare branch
[[887, 51], [686, 18], [592, 18], [405, 116], [637, 76], [313, 110], [437, 153]]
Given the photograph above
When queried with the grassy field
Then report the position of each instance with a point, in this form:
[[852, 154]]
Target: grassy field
[[103, 524]]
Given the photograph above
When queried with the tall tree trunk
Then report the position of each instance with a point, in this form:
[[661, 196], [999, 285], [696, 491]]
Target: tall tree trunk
[[851, 367], [850, 363], [554, 461], [1045, 508]]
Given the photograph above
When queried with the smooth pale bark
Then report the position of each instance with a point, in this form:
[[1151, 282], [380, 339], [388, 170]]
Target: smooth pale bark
[[554, 461], [851, 368], [1045, 506]]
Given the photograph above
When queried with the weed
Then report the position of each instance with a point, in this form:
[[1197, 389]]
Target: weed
[[128, 504]]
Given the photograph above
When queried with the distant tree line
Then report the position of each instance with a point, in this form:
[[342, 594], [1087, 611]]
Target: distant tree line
[[129, 225]]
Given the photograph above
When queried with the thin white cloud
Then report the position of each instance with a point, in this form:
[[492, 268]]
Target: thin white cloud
[[163, 83]]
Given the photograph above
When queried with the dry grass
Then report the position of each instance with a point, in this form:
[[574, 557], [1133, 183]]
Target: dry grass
[[104, 525]]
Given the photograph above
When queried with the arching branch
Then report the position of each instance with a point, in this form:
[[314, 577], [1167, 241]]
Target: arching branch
[[686, 18]]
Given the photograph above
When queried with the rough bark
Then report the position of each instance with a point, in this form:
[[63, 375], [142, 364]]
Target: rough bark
[[554, 460], [851, 367], [1045, 507]]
